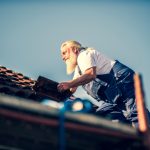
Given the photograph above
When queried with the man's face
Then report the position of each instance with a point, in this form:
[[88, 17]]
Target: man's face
[[70, 57]]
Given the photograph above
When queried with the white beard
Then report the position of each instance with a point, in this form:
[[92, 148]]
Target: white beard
[[70, 67], [71, 63]]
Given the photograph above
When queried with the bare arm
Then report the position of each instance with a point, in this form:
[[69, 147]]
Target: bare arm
[[88, 76]]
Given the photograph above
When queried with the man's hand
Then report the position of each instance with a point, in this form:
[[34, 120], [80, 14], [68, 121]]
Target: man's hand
[[63, 86]]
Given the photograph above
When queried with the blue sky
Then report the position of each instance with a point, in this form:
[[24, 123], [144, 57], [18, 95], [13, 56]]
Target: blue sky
[[31, 33]]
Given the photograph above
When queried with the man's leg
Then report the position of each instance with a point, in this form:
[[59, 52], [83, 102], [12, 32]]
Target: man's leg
[[131, 112], [111, 112]]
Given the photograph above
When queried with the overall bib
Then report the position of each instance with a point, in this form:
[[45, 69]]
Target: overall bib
[[115, 92]]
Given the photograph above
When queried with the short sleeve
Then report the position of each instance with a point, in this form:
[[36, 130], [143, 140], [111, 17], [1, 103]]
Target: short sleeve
[[86, 60]]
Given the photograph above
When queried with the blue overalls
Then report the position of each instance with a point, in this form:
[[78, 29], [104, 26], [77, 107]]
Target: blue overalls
[[115, 91]]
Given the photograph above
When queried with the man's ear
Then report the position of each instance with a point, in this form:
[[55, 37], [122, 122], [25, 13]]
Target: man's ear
[[75, 49]]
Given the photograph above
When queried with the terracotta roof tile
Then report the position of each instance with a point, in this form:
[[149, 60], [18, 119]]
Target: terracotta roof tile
[[14, 83]]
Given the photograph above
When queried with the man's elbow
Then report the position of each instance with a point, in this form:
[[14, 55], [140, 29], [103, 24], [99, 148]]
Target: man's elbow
[[91, 73], [93, 76]]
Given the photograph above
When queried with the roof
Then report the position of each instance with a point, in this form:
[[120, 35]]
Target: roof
[[30, 125], [27, 124], [14, 83]]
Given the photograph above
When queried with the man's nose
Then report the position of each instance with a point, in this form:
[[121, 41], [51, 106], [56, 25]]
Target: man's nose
[[63, 57]]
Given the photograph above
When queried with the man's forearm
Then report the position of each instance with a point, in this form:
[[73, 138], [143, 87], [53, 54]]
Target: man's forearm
[[83, 79]]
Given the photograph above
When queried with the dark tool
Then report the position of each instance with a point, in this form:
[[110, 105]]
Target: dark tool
[[48, 88]]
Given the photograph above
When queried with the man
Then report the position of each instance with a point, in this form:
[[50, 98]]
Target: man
[[108, 81]]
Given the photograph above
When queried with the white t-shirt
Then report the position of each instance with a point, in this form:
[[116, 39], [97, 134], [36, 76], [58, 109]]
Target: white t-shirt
[[90, 58]]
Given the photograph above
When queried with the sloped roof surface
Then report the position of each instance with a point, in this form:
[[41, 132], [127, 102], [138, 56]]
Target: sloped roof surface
[[17, 84]]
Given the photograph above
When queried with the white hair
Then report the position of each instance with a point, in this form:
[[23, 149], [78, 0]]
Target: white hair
[[71, 43]]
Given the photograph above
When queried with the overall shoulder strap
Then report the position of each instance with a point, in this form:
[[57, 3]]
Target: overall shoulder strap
[[79, 70]]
